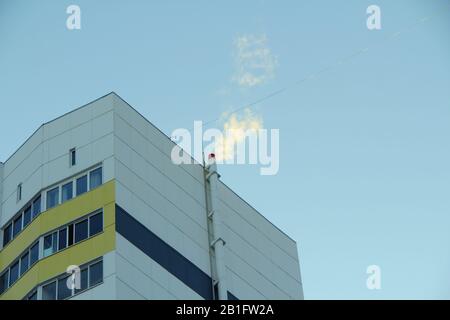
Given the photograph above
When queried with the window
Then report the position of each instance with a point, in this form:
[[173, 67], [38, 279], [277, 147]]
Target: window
[[36, 206], [14, 273], [81, 231], [73, 157], [95, 273], [83, 280], [52, 198], [81, 185], [95, 178], [7, 235], [63, 291], [49, 291], [4, 281], [50, 244], [34, 253], [33, 295], [62, 241], [67, 192], [24, 263], [19, 192], [95, 224], [70, 236], [27, 216], [17, 227]]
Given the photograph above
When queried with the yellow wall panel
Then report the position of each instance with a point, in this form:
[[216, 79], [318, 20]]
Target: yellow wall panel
[[83, 252]]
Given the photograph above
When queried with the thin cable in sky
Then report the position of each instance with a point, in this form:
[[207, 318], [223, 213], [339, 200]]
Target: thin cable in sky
[[339, 62]]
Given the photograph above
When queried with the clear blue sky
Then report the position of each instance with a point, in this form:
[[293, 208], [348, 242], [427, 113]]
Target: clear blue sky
[[365, 155]]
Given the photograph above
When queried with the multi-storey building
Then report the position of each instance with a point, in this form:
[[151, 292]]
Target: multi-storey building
[[95, 192]]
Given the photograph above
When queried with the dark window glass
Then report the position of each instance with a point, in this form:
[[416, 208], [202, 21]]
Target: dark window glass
[[70, 237], [26, 216], [95, 178], [36, 206], [81, 230], [4, 281], [83, 280], [62, 240], [34, 253], [95, 224], [24, 263], [7, 235], [19, 192], [33, 296], [49, 291], [52, 198], [67, 192], [17, 227], [95, 273], [14, 273], [81, 185], [63, 290], [73, 157], [50, 244]]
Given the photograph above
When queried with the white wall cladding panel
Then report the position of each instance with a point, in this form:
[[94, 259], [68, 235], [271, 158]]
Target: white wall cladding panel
[[256, 219], [163, 198], [240, 287], [154, 178], [147, 277], [155, 137], [23, 152], [125, 292], [268, 287], [155, 160], [257, 239], [184, 236]]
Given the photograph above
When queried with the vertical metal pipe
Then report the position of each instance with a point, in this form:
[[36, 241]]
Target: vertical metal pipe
[[218, 242]]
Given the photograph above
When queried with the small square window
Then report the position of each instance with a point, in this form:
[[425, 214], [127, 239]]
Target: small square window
[[95, 224], [62, 241], [73, 157], [14, 273], [7, 234], [95, 178], [95, 273], [67, 192], [4, 281], [19, 192], [49, 291], [34, 253], [24, 263], [36, 206], [17, 227], [81, 231], [26, 216], [81, 185], [83, 280], [52, 198], [70, 235], [50, 244], [64, 291]]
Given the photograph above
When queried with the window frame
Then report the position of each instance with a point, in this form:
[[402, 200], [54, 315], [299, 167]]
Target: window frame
[[73, 157]]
